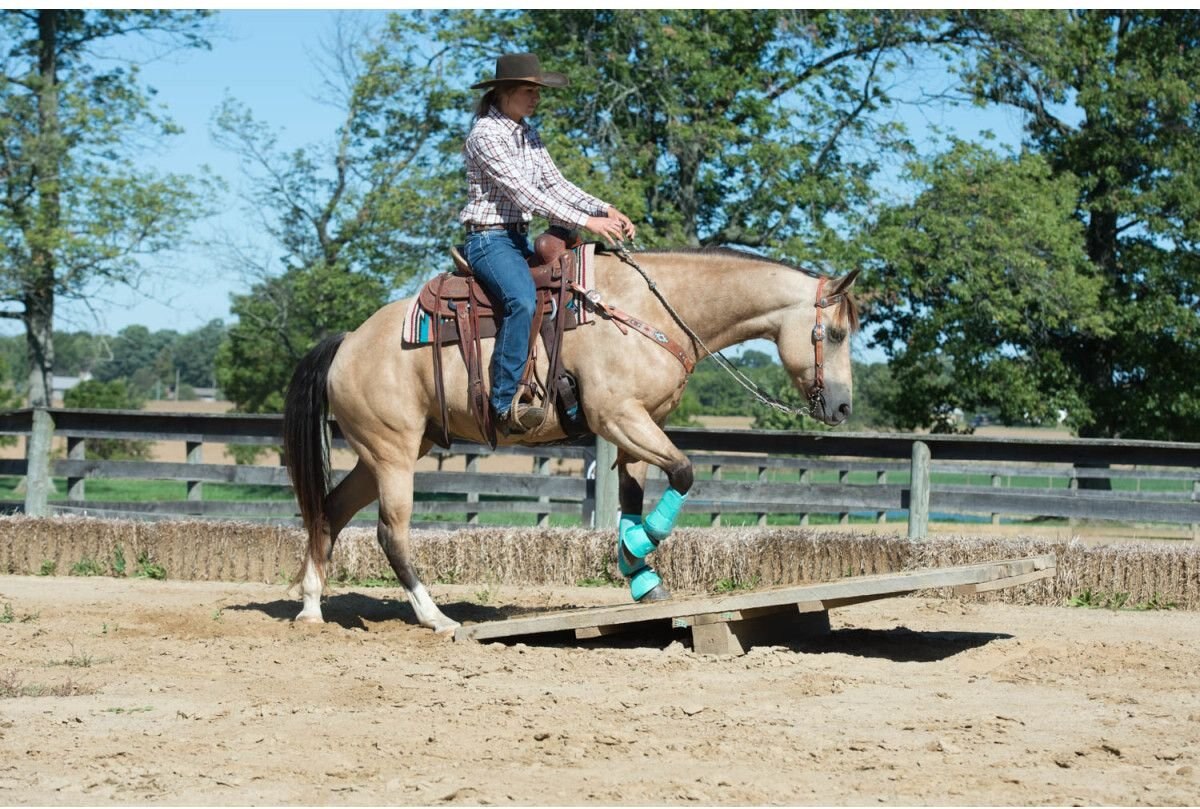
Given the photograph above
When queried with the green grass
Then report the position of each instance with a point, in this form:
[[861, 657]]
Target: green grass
[[1098, 599]]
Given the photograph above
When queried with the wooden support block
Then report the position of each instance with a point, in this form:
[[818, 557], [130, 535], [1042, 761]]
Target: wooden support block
[[737, 637]]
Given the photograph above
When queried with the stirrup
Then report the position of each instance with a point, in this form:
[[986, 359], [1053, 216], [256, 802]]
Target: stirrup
[[521, 418]]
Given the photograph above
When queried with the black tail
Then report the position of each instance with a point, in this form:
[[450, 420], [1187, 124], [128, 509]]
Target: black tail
[[305, 448]]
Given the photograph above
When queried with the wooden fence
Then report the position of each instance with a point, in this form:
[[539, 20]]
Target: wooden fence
[[764, 474]]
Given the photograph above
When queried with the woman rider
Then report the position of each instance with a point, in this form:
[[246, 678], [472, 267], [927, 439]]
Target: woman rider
[[510, 177]]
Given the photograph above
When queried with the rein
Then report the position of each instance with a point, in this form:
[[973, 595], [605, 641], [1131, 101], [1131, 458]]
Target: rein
[[816, 393]]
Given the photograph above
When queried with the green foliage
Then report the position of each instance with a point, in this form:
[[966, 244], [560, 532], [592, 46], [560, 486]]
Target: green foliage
[[148, 569], [87, 567], [49, 568], [279, 320], [716, 126], [981, 288], [354, 219], [118, 564], [79, 208], [734, 583], [113, 395], [1095, 599], [1108, 97]]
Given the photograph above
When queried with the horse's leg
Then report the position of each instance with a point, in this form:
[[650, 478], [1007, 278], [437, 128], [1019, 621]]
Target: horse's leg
[[395, 514], [351, 495], [644, 583], [639, 437]]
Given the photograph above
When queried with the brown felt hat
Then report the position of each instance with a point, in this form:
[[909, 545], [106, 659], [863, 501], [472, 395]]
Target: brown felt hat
[[523, 67]]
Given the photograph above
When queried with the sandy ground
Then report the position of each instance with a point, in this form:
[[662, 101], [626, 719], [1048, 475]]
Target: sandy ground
[[205, 693]]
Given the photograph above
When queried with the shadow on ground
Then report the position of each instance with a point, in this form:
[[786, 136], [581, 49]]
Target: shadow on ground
[[359, 611]]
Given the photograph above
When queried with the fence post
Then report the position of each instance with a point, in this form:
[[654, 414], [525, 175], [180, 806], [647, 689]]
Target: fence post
[[608, 502], [881, 480], [472, 497], [1196, 497], [38, 482], [1074, 488], [918, 496], [76, 451], [762, 478], [541, 466], [195, 455], [843, 480], [995, 485], [716, 515], [804, 480]]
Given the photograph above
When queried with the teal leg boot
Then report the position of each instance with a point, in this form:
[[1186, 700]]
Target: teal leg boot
[[660, 522], [633, 545]]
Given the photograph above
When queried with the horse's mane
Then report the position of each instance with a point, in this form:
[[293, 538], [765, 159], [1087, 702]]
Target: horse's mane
[[847, 310]]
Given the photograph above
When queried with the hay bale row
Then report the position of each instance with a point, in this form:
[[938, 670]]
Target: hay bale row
[[693, 560]]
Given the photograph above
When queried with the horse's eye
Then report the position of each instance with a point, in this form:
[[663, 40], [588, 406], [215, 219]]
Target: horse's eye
[[836, 335]]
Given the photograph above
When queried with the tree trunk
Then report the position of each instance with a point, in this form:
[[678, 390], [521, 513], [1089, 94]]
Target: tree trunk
[[39, 286]]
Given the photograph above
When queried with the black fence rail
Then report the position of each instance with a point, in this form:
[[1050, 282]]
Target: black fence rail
[[764, 474]]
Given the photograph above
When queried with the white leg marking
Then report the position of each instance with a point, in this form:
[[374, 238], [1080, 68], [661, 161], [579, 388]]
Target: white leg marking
[[427, 612], [310, 591]]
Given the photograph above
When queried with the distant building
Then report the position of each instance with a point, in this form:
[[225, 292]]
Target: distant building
[[62, 384]]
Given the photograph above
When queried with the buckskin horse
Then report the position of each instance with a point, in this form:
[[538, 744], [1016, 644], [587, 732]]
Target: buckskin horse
[[384, 395]]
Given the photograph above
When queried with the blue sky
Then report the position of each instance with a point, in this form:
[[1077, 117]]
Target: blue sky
[[265, 59]]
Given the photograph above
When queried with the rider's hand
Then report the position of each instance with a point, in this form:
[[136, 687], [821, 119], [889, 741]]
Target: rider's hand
[[626, 223], [608, 227]]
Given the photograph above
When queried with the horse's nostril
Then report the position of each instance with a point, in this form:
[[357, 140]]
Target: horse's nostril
[[845, 409]]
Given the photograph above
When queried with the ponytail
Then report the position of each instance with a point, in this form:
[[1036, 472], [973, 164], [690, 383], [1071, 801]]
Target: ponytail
[[486, 102]]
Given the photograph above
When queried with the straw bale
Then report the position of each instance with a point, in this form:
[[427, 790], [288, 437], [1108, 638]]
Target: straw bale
[[693, 559]]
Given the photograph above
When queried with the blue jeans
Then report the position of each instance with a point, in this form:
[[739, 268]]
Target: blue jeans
[[498, 258]]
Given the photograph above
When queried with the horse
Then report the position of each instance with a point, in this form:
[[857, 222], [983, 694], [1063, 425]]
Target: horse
[[382, 393]]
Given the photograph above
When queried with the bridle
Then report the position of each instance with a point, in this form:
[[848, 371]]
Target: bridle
[[816, 392]]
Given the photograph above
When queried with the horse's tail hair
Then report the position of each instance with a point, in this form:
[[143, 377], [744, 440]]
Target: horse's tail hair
[[306, 442]]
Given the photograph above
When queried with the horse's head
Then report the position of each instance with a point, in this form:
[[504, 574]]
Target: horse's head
[[814, 346]]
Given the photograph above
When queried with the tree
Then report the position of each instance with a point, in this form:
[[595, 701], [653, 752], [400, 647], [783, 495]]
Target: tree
[[758, 128], [1110, 101], [353, 221], [279, 320], [982, 288], [77, 209], [195, 354]]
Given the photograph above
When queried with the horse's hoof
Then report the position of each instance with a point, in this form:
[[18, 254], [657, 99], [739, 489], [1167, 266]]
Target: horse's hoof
[[309, 619], [659, 593], [444, 628]]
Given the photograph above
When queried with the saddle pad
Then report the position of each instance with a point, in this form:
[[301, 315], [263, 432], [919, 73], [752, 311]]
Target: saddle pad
[[417, 325]]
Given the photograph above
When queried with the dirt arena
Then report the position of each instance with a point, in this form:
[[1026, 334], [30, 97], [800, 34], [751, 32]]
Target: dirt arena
[[127, 691]]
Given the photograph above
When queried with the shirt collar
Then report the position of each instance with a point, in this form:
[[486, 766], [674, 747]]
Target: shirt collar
[[512, 126]]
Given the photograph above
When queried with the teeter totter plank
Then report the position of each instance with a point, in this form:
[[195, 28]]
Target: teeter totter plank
[[732, 623]]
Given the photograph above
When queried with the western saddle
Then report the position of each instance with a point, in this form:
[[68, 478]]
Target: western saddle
[[461, 311]]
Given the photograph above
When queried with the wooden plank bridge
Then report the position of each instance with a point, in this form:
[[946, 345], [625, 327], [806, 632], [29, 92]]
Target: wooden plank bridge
[[733, 623]]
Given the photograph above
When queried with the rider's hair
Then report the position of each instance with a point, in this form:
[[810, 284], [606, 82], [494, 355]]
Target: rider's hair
[[492, 97]]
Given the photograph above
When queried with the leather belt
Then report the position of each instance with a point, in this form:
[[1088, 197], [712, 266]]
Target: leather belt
[[519, 227]]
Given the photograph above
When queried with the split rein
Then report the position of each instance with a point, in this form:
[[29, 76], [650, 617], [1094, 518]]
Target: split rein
[[816, 393]]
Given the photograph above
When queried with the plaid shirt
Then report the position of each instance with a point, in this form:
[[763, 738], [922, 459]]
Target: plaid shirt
[[510, 177]]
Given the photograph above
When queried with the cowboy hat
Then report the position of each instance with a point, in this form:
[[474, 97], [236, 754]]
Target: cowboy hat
[[522, 67]]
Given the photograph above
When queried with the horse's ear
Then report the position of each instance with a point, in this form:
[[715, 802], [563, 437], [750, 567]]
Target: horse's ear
[[844, 284]]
